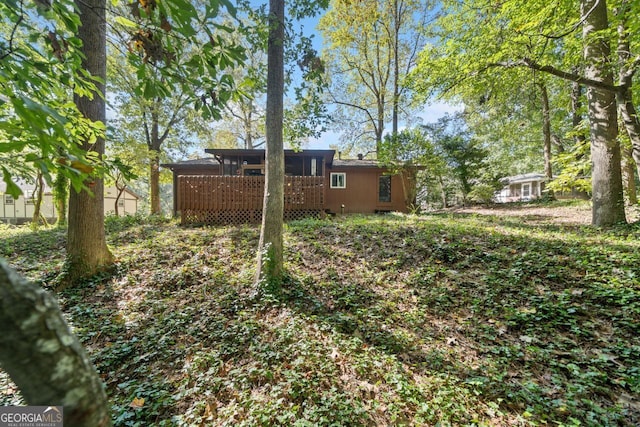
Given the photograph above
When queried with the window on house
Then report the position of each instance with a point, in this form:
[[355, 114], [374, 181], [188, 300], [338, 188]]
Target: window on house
[[384, 188], [8, 200], [31, 201], [121, 203], [338, 180], [526, 190]]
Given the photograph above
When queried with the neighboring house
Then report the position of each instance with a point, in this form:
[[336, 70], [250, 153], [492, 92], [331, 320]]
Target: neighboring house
[[127, 202], [20, 210], [521, 188], [229, 187]]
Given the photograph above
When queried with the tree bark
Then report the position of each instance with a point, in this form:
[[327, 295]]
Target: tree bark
[[60, 196], [43, 357], [37, 203], [270, 248], [546, 131], [629, 176], [576, 112], [154, 181], [396, 65], [87, 251], [443, 193], [607, 196], [625, 95], [120, 186]]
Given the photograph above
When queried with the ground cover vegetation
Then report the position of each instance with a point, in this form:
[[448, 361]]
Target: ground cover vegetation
[[494, 317]]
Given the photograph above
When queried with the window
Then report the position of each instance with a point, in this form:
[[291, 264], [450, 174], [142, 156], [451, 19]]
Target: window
[[384, 188], [121, 203], [338, 180], [31, 201], [526, 191], [8, 200]]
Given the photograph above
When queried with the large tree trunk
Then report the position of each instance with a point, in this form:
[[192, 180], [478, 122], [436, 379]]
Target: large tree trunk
[[607, 198], [631, 124], [87, 251], [43, 357], [625, 77], [270, 249]]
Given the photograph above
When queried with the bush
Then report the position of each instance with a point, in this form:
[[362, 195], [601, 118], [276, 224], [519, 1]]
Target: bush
[[481, 193]]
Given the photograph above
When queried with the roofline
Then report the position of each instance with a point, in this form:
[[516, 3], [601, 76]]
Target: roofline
[[327, 154], [188, 165], [248, 152]]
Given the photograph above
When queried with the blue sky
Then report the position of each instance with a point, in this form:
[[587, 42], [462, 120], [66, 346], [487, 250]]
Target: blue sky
[[429, 114]]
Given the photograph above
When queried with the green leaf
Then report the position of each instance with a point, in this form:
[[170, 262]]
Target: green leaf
[[12, 188], [6, 147], [126, 22]]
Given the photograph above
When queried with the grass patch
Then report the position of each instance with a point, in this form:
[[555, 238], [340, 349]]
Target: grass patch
[[457, 319]]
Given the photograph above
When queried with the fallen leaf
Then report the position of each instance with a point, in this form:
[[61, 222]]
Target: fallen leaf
[[137, 402]]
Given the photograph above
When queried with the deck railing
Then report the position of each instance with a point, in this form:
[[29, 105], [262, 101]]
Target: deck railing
[[233, 199]]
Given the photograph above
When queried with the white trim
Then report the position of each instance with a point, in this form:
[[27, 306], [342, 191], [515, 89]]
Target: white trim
[[338, 184]]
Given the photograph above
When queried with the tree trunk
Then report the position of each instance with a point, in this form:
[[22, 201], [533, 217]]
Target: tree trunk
[[154, 181], [607, 196], [443, 193], [576, 112], [43, 357], [396, 66], [120, 186], [546, 131], [270, 249], [37, 203], [631, 124], [629, 176], [60, 196], [379, 128], [625, 77], [87, 251], [248, 128]]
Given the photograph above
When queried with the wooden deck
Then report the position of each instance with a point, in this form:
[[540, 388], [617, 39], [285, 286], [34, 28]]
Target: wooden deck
[[238, 199]]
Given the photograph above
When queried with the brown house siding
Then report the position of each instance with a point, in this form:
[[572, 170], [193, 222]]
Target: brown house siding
[[204, 194], [361, 192]]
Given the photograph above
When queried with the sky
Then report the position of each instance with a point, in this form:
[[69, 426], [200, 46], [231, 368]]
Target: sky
[[429, 114]]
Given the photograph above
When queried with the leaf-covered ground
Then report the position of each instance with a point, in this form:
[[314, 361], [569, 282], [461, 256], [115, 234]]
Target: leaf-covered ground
[[489, 317]]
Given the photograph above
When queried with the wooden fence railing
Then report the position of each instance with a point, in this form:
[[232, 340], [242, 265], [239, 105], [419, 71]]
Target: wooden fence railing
[[237, 199]]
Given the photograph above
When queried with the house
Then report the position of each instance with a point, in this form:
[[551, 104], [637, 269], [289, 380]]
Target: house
[[229, 186], [521, 188], [20, 210], [127, 202]]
